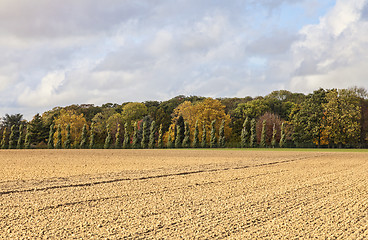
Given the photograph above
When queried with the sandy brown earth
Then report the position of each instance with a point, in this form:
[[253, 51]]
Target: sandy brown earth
[[189, 194]]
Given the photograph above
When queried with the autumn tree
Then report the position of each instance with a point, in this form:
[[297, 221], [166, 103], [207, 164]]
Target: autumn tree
[[283, 135], [274, 132], [271, 119], [213, 141], [76, 121], [263, 134], [204, 136], [50, 143], [245, 133]]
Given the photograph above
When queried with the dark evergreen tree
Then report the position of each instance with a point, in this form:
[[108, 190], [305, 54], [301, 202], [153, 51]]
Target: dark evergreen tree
[[27, 141], [274, 131], [253, 134], [3, 140], [107, 144], [92, 136], [58, 142], [186, 141], [160, 136], [135, 137], [283, 135], [126, 141], [83, 143], [204, 136], [12, 138], [50, 143], [38, 130], [263, 134], [20, 138], [118, 138], [222, 135], [213, 142], [151, 143], [245, 133], [67, 143], [196, 137]]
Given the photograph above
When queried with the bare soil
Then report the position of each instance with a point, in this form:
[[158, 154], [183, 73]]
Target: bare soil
[[172, 194]]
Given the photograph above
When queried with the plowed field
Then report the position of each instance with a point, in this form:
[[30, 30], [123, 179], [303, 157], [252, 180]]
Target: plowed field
[[173, 194]]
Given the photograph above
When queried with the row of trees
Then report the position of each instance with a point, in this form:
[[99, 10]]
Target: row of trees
[[324, 118]]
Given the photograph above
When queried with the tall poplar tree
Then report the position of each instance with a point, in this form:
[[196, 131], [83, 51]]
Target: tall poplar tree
[[204, 136], [50, 142], [108, 138], [222, 135], [67, 143], [20, 138], [283, 135], [135, 143], [245, 133], [27, 141], [253, 134], [169, 139], [196, 136], [118, 137], [263, 134], [151, 143], [178, 140], [160, 136], [83, 143], [213, 142], [58, 142], [12, 137], [3, 140], [186, 141], [274, 131], [145, 134], [126, 141]]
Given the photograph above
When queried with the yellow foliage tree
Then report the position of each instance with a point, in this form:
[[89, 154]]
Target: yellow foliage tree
[[76, 122], [205, 112]]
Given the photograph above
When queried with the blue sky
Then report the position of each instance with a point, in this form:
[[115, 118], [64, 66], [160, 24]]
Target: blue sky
[[57, 53]]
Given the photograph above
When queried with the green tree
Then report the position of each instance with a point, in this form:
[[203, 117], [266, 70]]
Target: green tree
[[4, 140], [213, 142], [67, 143], [92, 136], [160, 136], [186, 141], [108, 138], [196, 137], [27, 141], [283, 135], [58, 143], [263, 134], [253, 134], [50, 143], [274, 131], [204, 137], [222, 135], [83, 143], [118, 138], [12, 137], [245, 133], [151, 143], [126, 141], [20, 138]]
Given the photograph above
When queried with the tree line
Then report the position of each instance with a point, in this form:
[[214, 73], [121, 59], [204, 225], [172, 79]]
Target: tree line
[[325, 118]]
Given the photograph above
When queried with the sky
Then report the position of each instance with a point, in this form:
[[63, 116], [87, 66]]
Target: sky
[[58, 53]]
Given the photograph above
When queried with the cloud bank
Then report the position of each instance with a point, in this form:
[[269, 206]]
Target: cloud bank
[[56, 53]]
